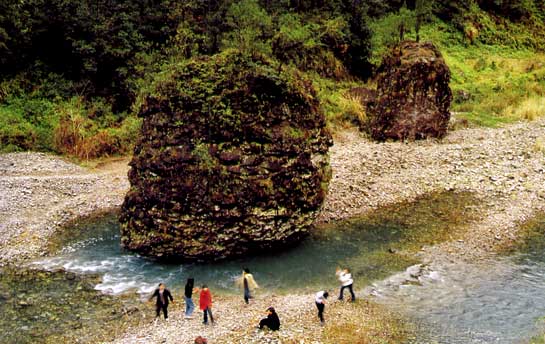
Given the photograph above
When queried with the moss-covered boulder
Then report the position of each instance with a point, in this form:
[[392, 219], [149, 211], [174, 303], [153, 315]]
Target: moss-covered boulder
[[232, 159], [413, 94]]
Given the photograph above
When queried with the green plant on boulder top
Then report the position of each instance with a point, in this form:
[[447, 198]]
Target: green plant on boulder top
[[250, 27], [227, 134], [202, 153]]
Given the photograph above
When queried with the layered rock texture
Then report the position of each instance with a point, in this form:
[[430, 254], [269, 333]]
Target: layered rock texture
[[232, 159], [413, 94]]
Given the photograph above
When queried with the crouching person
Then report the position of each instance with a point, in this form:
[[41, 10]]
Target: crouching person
[[271, 321]]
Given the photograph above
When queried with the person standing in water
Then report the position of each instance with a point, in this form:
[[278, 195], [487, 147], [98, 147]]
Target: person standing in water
[[163, 296], [247, 282], [271, 321], [188, 296], [205, 303], [320, 299], [345, 277]]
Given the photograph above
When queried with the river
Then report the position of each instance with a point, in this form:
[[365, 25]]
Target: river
[[500, 300]]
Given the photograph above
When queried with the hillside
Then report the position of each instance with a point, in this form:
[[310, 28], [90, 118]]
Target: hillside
[[73, 74]]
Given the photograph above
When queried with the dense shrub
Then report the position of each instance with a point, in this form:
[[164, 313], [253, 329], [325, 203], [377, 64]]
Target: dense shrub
[[75, 127], [91, 132], [249, 27], [104, 52], [512, 9], [26, 123]]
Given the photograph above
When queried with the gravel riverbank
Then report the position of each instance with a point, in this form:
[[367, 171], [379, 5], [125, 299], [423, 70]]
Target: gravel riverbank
[[236, 322], [40, 193], [504, 168]]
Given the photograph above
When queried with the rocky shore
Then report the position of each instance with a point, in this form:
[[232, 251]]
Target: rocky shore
[[504, 168], [236, 322], [41, 193]]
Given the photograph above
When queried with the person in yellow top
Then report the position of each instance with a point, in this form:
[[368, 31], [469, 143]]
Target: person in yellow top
[[247, 282]]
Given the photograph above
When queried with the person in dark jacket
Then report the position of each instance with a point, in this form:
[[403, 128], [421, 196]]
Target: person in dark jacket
[[163, 296], [271, 321], [188, 296]]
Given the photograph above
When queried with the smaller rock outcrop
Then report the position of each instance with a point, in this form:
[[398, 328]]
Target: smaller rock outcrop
[[413, 94]]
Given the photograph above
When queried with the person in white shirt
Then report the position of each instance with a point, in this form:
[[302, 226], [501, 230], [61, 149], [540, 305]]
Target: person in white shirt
[[320, 299], [345, 277]]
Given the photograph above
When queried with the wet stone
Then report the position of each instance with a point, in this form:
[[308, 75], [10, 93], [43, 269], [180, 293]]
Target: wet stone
[[45, 311]]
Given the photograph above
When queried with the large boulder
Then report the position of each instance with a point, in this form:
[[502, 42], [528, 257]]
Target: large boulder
[[232, 159], [413, 94]]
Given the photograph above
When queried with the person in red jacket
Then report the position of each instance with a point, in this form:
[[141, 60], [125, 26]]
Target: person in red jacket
[[205, 303]]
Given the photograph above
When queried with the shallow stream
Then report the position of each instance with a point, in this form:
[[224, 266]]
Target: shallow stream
[[367, 245], [498, 301], [304, 268]]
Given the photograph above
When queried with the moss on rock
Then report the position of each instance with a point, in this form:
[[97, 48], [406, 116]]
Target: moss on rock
[[232, 158], [413, 96]]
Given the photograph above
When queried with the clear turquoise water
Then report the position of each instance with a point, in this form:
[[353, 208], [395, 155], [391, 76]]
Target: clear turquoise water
[[309, 266], [496, 301], [499, 300]]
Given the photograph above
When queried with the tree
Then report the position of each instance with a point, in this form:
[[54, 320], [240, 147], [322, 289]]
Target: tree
[[391, 29], [250, 27], [359, 50], [294, 40], [512, 9], [90, 42], [423, 11]]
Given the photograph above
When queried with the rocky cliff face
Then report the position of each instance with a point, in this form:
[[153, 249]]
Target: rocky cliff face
[[413, 95], [232, 159]]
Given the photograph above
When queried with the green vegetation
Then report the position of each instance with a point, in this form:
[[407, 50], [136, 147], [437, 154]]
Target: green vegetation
[[494, 85], [71, 71], [497, 65], [530, 237], [73, 126], [539, 339], [58, 307], [364, 322]]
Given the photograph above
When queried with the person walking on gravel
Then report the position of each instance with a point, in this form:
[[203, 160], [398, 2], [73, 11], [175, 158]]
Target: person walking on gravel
[[320, 299], [163, 296], [205, 303], [345, 277], [247, 282], [188, 296]]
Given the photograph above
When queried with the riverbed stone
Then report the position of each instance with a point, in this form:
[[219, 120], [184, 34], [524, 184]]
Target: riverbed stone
[[232, 159], [413, 94]]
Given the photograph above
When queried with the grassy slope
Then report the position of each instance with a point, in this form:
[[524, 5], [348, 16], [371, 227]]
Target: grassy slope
[[502, 83], [493, 84]]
